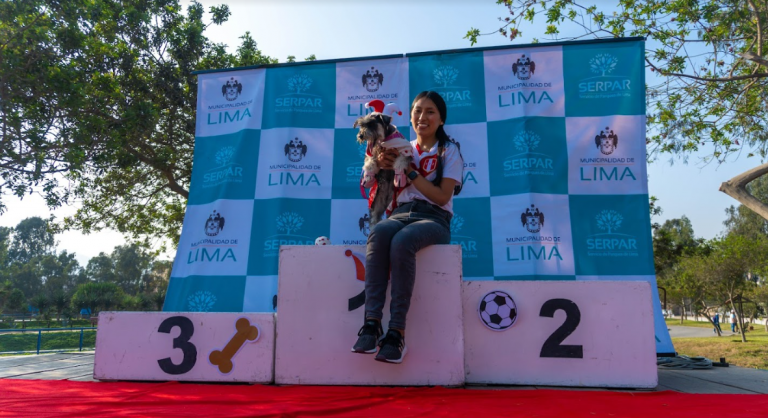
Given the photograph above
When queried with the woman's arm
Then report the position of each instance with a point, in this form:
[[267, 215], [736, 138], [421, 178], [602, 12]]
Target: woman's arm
[[439, 195]]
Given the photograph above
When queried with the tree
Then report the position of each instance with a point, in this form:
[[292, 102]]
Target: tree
[[32, 238], [97, 104], [728, 267], [97, 296], [711, 58], [101, 269], [15, 301], [132, 265]]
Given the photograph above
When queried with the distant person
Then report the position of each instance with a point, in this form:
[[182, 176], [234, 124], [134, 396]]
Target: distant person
[[716, 321], [733, 321]]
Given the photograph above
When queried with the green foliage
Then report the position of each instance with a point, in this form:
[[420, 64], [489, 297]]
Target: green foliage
[[97, 296], [711, 57], [15, 302], [31, 238], [97, 105]]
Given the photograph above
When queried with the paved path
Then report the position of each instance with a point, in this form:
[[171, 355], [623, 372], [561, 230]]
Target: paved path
[[676, 331]]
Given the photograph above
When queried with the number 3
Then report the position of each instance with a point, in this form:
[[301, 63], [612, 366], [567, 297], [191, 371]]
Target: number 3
[[182, 342], [552, 346]]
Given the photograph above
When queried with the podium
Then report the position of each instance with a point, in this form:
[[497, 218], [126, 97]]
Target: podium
[[557, 333]]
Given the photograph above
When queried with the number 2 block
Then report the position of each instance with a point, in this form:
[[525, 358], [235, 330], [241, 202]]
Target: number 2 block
[[566, 333]]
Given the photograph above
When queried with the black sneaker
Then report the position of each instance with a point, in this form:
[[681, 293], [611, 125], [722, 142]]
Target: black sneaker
[[392, 348], [369, 335]]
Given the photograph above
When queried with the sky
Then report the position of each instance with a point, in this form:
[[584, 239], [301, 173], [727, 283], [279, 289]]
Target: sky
[[332, 29]]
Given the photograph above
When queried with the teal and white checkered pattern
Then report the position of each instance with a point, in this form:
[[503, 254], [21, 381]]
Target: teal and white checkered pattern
[[553, 138]]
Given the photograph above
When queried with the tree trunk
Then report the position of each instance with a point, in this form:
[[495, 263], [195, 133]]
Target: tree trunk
[[738, 321], [737, 189]]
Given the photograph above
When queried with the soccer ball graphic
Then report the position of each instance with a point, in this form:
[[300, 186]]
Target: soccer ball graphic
[[322, 241], [497, 310]]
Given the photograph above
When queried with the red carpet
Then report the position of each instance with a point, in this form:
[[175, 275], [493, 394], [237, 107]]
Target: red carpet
[[50, 398]]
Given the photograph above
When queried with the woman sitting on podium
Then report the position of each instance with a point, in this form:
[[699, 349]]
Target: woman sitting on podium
[[422, 218]]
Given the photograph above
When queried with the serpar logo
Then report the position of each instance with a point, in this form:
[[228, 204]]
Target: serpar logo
[[468, 243], [295, 150], [365, 224], [372, 80], [297, 100], [607, 141], [299, 83], [524, 68], [605, 84], [603, 64], [528, 161], [532, 219], [454, 95], [214, 224], [445, 75], [611, 243], [201, 301], [231, 89], [355, 168], [288, 223], [224, 155], [226, 171]]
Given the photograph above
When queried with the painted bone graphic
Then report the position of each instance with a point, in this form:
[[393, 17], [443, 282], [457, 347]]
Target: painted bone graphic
[[223, 358]]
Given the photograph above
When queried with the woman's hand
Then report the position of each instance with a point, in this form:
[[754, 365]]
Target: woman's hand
[[386, 159]]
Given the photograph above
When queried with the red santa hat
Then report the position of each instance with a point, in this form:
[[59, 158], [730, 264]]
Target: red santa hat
[[379, 107]]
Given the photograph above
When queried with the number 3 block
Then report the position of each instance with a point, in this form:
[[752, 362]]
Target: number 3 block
[[566, 333], [189, 346]]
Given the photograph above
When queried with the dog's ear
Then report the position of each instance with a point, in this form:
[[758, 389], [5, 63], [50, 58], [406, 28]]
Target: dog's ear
[[358, 122], [385, 119]]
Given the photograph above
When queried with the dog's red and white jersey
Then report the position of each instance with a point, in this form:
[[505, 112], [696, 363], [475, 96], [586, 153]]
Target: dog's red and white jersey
[[426, 161]]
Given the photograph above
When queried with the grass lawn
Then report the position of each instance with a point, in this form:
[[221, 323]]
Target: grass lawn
[[53, 340], [753, 353], [691, 323]]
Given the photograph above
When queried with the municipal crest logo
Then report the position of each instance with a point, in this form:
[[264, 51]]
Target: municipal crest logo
[[609, 220], [445, 75], [603, 64], [214, 224], [365, 224], [299, 83], [607, 141], [526, 141], [523, 68], [231, 89], [295, 150], [373, 80], [532, 219]]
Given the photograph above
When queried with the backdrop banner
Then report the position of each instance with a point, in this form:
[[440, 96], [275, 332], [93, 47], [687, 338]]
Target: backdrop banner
[[553, 139]]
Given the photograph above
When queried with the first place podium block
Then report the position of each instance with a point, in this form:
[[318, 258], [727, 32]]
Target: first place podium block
[[320, 312]]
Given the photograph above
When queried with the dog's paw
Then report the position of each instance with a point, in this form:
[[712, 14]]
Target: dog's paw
[[368, 179], [401, 180]]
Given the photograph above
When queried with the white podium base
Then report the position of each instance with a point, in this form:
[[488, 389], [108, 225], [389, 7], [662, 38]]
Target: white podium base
[[316, 329]]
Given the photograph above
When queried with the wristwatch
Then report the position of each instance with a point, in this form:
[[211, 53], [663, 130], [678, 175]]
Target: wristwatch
[[412, 175]]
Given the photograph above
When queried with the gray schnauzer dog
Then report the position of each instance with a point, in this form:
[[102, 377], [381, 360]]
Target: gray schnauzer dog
[[377, 131]]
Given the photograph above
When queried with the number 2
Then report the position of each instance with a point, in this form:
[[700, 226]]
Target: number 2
[[182, 342], [552, 346]]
